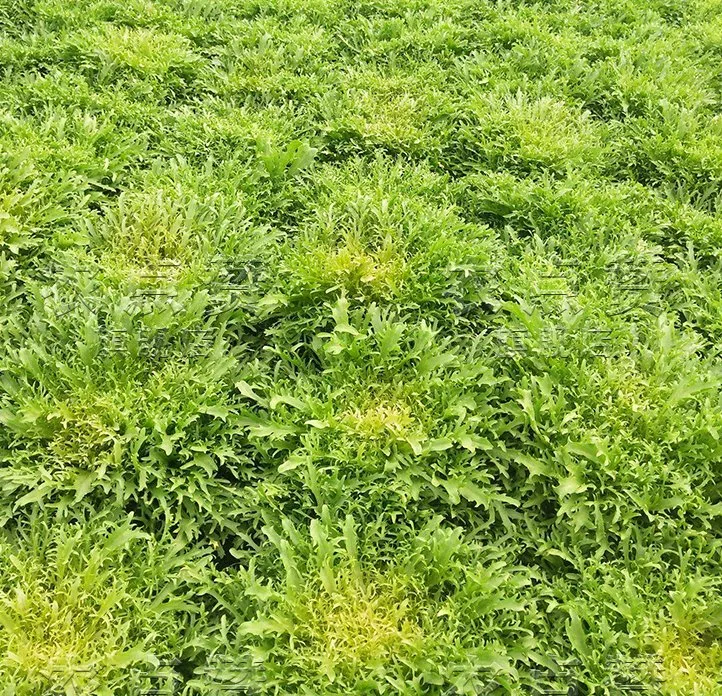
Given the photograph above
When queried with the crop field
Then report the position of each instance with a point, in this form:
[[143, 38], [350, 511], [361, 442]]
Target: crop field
[[360, 347]]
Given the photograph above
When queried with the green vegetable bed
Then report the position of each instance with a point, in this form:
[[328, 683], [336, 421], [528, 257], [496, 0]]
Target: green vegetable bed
[[360, 347]]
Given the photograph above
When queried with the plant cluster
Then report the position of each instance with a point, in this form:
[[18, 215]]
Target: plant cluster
[[360, 347]]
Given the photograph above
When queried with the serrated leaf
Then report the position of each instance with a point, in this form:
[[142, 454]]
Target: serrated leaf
[[576, 634], [293, 462]]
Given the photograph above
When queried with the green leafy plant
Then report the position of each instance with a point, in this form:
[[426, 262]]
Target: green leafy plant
[[360, 347]]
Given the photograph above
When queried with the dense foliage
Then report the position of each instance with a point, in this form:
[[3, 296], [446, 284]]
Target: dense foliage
[[360, 347]]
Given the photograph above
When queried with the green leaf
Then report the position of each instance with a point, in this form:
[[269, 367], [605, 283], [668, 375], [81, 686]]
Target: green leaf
[[294, 461], [266, 626], [132, 656], [576, 634]]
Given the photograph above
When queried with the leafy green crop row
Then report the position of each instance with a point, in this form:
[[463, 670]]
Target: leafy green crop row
[[360, 347]]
